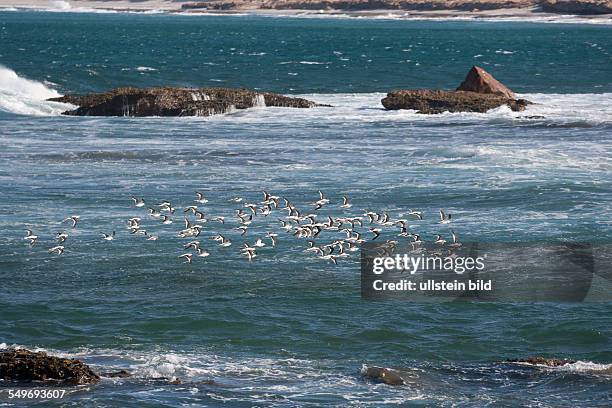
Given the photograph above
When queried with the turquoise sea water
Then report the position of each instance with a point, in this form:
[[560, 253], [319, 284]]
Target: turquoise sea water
[[287, 329]]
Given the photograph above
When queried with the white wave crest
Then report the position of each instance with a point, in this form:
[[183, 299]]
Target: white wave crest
[[146, 69], [27, 97], [587, 367]]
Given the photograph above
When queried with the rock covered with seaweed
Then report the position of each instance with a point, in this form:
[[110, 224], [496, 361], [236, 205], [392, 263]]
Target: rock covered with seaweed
[[22, 365], [140, 102]]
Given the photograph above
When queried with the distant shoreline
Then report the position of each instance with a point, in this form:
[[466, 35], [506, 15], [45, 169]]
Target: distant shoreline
[[161, 6]]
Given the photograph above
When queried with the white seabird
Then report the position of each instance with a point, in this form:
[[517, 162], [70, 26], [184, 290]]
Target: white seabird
[[193, 244], [31, 237], [108, 237], [74, 219], [200, 198], [202, 252], [57, 249], [273, 237], [345, 202], [154, 213], [439, 240], [456, 242], [376, 232], [224, 242], [188, 258], [259, 243], [444, 218], [243, 229], [250, 254], [192, 208], [138, 202], [417, 214], [321, 201]]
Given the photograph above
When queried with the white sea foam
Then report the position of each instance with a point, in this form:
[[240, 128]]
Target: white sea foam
[[146, 69], [580, 110], [580, 367], [303, 62], [587, 367], [416, 16], [27, 97]]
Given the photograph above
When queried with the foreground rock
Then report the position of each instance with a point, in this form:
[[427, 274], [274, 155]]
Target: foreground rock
[[479, 92], [175, 102], [542, 361], [27, 366]]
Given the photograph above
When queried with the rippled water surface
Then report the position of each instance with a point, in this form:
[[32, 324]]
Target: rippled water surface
[[288, 329]]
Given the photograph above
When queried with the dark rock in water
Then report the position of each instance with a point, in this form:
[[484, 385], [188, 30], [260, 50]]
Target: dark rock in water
[[480, 81], [550, 362], [385, 375], [532, 117], [480, 92], [436, 101], [175, 102], [26, 366], [117, 374]]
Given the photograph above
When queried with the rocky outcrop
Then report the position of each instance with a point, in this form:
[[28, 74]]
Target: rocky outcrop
[[141, 102], [542, 361], [385, 375], [479, 92], [26, 366], [436, 101]]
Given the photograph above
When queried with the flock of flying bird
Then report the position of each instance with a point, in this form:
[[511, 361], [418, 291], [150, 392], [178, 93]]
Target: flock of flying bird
[[348, 231]]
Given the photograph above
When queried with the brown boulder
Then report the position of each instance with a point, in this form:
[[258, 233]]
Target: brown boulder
[[25, 366], [480, 81]]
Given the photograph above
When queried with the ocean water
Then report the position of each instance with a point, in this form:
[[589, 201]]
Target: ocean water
[[288, 329]]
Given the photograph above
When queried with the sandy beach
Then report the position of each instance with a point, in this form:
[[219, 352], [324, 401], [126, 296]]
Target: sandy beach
[[154, 6]]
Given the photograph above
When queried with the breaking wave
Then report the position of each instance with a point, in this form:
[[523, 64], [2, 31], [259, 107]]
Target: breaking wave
[[27, 97]]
